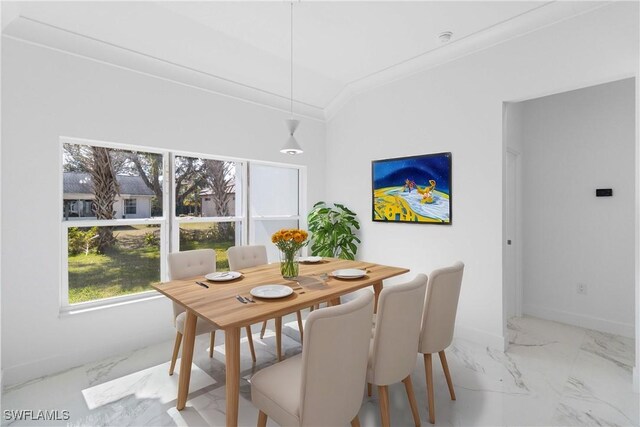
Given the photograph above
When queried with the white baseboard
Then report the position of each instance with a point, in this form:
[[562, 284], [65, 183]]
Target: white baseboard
[[56, 364], [481, 337], [51, 365], [581, 320]]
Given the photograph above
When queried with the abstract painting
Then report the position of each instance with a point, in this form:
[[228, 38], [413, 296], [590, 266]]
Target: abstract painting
[[413, 189]]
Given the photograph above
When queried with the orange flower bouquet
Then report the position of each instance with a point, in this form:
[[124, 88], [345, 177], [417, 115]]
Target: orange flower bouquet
[[289, 241]]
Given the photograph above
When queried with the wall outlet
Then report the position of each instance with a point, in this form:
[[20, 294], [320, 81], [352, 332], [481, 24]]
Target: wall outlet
[[581, 288]]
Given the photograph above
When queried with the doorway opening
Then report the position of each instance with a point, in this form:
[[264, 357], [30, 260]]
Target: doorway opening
[[569, 249]]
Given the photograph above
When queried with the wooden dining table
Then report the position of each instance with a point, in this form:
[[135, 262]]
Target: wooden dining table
[[218, 304]]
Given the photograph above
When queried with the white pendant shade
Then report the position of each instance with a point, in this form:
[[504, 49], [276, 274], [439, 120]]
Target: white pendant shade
[[292, 125], [291, 146]]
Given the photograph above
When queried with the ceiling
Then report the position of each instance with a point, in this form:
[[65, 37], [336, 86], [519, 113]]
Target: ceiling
[[242, 49]]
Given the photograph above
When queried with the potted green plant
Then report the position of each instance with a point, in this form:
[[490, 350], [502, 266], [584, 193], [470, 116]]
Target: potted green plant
[[333, 231]]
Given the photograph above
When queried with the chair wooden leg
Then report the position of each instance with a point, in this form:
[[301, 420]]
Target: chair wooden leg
[[447, 375], [383, 394], [279, 337], [429, 374], [188, 343], [369, 390], [377, 288], [262, 419], [213, 340], [176, 350], [300, 327], [263, 330], [355, 422], [250, 339], [408, 385]]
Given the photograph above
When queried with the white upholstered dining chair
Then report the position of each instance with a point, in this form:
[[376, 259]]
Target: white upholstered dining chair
[[438, 321], [323, 385], [241, 257], [187, 264], [392, 353]]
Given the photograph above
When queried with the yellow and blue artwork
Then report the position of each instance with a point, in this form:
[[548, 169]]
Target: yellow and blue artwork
[[413, 189]]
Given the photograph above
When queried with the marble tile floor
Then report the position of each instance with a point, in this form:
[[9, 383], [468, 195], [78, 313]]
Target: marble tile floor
[[552, 374]]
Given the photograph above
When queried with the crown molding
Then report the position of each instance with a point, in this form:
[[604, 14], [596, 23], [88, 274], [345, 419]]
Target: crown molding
[[543, 16], [39, 33]]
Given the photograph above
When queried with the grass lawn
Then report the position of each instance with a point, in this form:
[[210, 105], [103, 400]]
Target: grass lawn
[[120, 271], [129, 267]]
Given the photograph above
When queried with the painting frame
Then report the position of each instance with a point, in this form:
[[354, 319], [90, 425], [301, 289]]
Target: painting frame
[[394, 181]]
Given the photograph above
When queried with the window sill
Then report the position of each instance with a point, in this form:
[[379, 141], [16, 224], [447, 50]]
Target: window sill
[[107, 303]]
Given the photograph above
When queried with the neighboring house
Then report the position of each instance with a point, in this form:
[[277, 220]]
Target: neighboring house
[[208, 204], [133, 200]]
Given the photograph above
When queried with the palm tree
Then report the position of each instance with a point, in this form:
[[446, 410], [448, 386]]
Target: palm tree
[[105, 187], [98, 162]]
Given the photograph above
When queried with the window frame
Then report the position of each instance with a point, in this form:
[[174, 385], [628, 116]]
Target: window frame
[[125, 207], [169, 222], [175, 220], [65, 306], [76, 201], [301, 217]]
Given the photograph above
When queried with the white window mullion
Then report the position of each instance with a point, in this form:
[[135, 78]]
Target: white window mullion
[[174, 244], [64, 289], [198, 219], [302, 203], [165, 230], [245, 225], [111, 222]]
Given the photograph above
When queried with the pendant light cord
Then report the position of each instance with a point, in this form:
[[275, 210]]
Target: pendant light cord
[[291, 91]]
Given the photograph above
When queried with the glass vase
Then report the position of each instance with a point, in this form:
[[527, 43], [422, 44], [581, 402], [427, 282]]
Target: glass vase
[[289, 265]]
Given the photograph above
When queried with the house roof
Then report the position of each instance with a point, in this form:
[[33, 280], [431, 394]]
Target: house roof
[[80, 182]]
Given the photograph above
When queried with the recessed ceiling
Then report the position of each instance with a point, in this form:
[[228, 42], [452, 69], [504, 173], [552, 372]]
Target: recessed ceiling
[[338, 46]]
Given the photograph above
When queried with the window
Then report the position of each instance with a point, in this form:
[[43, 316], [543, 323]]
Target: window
[[130, 206], [78, 209], [274, 202], [208, 193], [129, 266], [124, 209], [107, 254]]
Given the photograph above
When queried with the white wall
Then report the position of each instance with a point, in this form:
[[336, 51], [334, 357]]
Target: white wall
[[512, 275], [573, 143], [143, 206], [47, 94], [513, 120], [1, 366], [457, 107]]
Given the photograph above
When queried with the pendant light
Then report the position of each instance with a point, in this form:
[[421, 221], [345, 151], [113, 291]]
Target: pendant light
[[291, 146]]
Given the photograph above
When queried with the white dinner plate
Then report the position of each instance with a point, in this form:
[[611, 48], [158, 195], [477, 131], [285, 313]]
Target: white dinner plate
[[349, 273], [223, 276], [271, 291], [310, 259]]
